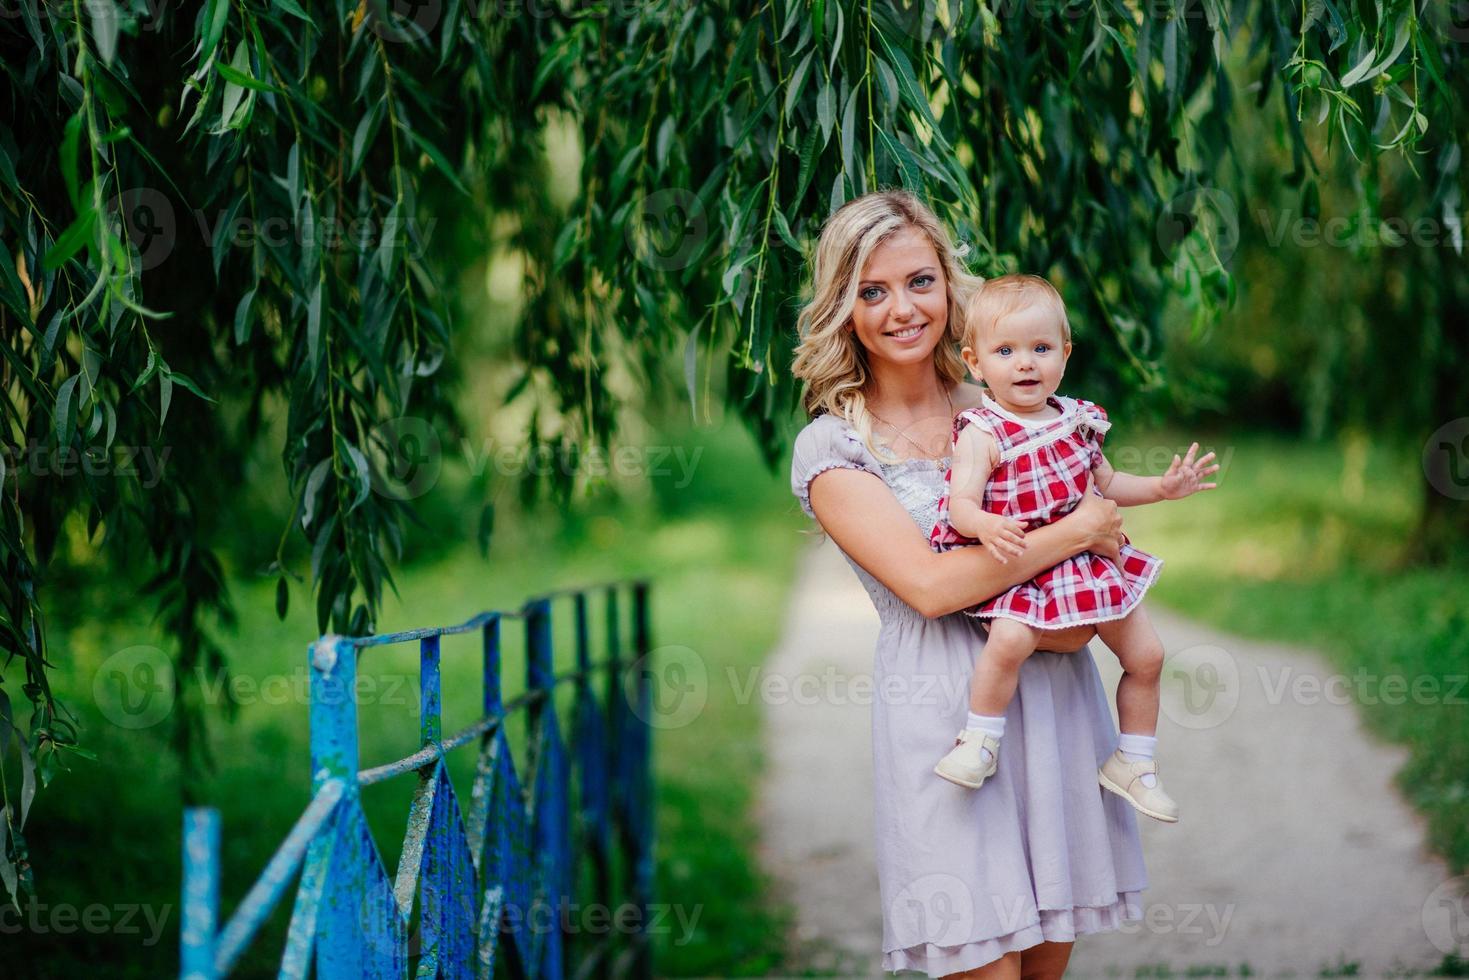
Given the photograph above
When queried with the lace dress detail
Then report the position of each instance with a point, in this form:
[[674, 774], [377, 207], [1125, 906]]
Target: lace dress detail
[[1040, 853]]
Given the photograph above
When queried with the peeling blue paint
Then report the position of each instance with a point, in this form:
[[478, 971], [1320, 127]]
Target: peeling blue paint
[[478, 890]]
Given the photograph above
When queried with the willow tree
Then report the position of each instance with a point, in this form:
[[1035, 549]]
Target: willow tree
[[207, 210]]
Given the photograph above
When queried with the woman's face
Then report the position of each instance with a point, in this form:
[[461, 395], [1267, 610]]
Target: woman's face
[[902, 307]]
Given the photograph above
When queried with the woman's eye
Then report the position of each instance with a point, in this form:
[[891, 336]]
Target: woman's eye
[[922, 281], [871, 293]]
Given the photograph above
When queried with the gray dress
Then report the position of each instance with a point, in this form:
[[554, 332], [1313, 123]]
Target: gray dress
[[1039, 853]]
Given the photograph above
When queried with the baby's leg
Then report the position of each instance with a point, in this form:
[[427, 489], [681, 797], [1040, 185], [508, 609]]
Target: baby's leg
[[1136, 644], [997, 668], [1131, 772]]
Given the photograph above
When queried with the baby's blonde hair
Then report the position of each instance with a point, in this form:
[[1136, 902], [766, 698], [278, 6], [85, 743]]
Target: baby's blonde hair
[[830, 360], [1004, 295]]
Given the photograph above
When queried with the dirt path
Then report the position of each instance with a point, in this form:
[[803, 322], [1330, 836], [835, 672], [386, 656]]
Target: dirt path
[[1295, 854]]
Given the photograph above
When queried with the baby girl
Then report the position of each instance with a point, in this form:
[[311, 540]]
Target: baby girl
[[1022, 459]]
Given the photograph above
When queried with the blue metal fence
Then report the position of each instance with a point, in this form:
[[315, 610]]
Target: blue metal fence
[[491, 882]]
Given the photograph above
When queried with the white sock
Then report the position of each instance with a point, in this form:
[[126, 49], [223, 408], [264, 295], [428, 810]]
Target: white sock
[[1139, 748], [992, 725]]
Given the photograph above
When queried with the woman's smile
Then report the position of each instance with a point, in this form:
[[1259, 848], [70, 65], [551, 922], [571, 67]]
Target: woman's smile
[[909, 332]]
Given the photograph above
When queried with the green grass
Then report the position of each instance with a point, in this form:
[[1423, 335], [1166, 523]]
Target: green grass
[[1304, 543], [720, 553]]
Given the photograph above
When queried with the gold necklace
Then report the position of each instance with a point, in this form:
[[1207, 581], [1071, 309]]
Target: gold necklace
[[922, 449]]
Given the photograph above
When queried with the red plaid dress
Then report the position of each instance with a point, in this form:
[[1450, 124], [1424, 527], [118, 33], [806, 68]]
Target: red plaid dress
[[1041, 476]]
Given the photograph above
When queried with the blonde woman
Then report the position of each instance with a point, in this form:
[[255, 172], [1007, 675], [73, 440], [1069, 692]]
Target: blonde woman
[[986, 885]]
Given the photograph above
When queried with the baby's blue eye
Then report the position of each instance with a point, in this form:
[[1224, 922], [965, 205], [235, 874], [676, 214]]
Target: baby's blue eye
[[1004, 352], [1042, 348]]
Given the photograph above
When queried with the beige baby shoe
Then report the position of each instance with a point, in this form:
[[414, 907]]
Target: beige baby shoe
[[1125, 779], [965, 764]]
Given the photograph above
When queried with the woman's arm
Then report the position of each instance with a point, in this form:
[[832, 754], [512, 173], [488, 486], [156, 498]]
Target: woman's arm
[[867, 522]]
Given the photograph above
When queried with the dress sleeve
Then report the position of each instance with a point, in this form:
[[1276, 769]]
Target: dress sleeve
[[1095, 423], [826, 443]]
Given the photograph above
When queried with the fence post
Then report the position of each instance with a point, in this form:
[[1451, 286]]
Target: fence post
[[546, 941], [493, 705], [430, 702], [642, 775], [334, 755], [333, 712], [199, 930]]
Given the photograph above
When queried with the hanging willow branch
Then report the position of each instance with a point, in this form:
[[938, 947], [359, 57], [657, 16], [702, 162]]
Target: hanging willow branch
[[233, 204]]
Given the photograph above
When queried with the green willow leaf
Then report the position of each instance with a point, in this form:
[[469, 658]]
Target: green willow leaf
[[76, 237]]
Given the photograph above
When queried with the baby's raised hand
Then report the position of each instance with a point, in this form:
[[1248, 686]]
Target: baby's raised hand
[[1185, 476], [1001, 537]]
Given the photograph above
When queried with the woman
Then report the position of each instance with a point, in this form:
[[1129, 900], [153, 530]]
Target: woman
[[995, 883]]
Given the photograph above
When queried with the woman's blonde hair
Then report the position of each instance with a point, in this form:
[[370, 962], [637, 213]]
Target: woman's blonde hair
[[830, 360]]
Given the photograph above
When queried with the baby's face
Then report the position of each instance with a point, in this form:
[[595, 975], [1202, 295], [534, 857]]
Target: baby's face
[[1022, 358]]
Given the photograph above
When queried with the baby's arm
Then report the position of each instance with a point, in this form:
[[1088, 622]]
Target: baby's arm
[[1185, 476], [975, 458]]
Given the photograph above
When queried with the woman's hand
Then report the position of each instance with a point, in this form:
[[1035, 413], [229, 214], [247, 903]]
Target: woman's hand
[[1098, 520]]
